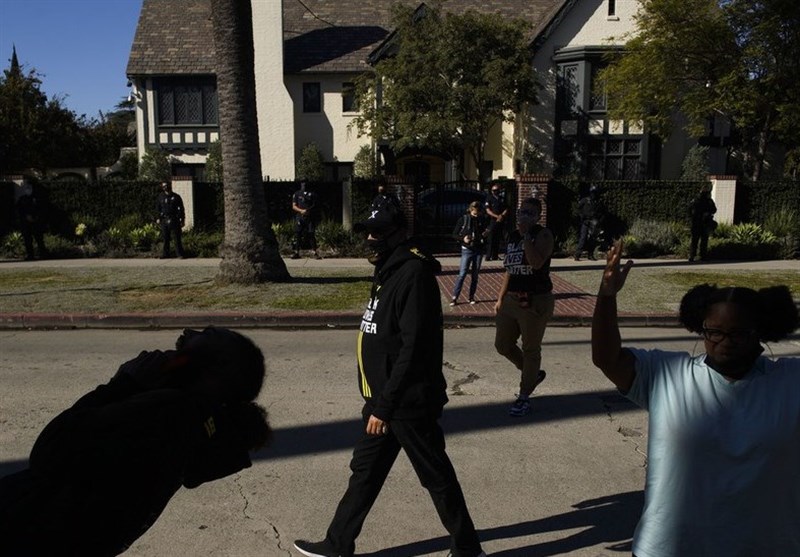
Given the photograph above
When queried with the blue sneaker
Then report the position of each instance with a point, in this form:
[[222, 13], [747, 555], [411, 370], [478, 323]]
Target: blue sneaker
[[521, 407]]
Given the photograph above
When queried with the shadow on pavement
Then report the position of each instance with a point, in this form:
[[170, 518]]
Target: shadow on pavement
[[610, 520], [342, 435]]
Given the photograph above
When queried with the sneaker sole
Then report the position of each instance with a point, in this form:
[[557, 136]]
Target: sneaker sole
[[308, 553]]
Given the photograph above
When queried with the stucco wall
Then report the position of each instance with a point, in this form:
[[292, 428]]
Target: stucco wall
[[586, 24], [273, 102], [328, 128]]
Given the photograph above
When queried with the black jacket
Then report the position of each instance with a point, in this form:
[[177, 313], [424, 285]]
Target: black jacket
[[170, 209], [102, 472], [475, 227], [400, 341]]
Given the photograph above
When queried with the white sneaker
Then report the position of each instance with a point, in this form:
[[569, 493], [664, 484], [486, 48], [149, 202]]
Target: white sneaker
[[453, 302]]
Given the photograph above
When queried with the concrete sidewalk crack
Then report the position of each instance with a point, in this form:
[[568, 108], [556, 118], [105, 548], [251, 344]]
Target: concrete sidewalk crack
[[275, 533]]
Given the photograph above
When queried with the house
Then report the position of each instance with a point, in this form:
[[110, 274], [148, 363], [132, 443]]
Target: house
[[307, 55]]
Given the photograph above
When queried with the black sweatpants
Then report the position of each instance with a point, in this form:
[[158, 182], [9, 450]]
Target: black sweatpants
[[373, 457]]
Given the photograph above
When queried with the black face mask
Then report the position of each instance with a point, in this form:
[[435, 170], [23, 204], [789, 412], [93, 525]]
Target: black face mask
[[380, 250]]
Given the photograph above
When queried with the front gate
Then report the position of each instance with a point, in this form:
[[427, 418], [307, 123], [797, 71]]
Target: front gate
[[438, 208]]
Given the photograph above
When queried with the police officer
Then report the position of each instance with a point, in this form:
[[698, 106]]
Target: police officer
[[171, 217], [304, 206], [589, 217], [30, 211], [497, 210]]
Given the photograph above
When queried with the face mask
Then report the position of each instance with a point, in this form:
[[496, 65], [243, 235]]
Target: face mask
[[380, 249]]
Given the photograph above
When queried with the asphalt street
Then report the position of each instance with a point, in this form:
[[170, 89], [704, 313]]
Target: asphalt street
[[566, 480]]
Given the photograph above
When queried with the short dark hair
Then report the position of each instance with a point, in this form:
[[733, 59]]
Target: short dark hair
[[229, 354], [772, 310]]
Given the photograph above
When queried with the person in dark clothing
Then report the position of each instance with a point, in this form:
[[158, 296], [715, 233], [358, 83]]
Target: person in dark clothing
[[102, 471], [471, 231], [400, 345], [589, 217], [171, 217], [30, 211], [497, 210], [701, 213], [383, 198], [304, 205]]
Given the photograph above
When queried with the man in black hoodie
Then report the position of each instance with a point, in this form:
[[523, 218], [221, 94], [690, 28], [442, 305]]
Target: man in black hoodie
[[400, 345]]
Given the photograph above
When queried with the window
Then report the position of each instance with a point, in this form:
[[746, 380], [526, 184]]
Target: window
[[187, 102], [615, 159], [349, 98], [567, 90], [612, 8], [312, 97], [597, 96]]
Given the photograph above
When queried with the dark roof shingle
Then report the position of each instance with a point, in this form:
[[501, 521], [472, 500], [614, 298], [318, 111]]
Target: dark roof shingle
[[319, 35]]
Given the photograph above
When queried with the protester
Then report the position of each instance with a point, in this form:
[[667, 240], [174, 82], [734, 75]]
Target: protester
[[102, 471], [399, 358], [171, 217], [471, 231], [723, 456], [525, 302]]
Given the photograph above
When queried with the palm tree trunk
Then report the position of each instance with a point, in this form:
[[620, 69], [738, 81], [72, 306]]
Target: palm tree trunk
[[250, 251]]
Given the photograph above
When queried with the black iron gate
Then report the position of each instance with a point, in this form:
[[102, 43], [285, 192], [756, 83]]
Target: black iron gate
[[438, 207]]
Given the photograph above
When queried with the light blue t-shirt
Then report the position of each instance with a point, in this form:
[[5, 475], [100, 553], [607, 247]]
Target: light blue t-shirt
[[723, 474]]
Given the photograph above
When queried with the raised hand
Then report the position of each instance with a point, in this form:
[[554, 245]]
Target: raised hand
[[614, 275]]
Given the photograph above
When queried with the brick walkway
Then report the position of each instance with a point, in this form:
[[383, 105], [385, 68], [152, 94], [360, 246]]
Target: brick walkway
[[572, 303]]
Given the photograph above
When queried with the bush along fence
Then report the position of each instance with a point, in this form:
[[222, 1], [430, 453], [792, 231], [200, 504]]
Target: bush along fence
[[757, 220]]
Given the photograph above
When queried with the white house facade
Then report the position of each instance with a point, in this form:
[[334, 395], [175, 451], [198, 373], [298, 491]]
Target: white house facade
[[306, 62]]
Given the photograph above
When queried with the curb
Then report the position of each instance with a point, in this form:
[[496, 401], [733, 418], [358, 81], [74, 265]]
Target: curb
[[287, 320]]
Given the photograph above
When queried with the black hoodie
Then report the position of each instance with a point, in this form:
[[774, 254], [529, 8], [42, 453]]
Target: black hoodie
[[400, 341]]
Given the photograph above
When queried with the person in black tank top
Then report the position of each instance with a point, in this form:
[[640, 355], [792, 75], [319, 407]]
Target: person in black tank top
[[525, 301]]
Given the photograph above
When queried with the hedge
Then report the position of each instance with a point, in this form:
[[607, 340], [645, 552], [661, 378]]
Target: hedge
[[755, 201]]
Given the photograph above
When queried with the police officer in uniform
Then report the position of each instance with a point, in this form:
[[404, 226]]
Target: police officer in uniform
[[304, 206], [497, 210], [171, 217]]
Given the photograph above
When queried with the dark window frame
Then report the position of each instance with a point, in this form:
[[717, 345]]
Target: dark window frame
[[312, 103], [612, 8], [186, 102], [349, 100]]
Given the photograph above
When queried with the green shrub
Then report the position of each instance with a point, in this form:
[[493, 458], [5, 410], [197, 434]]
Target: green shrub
[[155, 165], [284, 234], [145, 237], [785, 225], [13, 246], [84, 225], [334, 238], [197, 243], [61, 248], [113, 243], [725, 248], [651, 238], [127, 223], [751, 234], [311, 164], [364, 162]]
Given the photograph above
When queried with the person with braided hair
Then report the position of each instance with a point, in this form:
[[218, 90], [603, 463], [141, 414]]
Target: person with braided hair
[[723, 474]]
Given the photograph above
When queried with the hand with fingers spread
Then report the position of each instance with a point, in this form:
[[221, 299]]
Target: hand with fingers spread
[[614, 275]]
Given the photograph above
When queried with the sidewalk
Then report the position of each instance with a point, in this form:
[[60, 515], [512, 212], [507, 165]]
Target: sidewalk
[[574, 306]]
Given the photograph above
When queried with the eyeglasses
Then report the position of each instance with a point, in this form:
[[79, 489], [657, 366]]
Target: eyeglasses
[[737, 336]]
